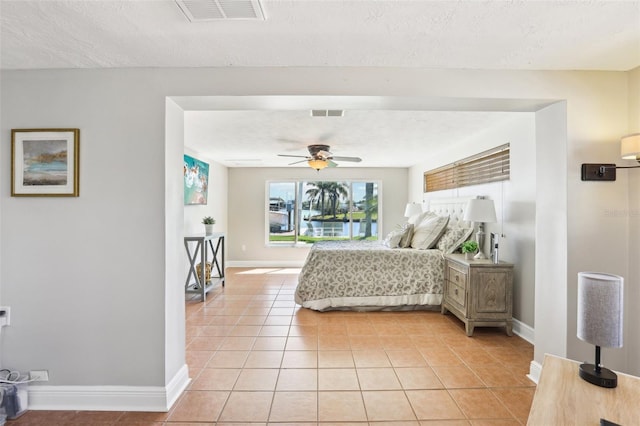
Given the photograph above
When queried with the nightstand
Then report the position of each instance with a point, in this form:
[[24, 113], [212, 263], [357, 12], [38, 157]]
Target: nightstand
[[478, 292]]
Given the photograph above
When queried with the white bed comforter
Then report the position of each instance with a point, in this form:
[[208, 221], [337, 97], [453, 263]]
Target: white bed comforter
[[369, 275]]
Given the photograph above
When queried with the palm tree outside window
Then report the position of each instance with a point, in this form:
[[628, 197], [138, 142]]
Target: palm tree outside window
[[323, 210]]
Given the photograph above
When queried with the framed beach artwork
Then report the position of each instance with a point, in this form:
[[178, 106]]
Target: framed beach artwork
[[45, 162], [196, 181]]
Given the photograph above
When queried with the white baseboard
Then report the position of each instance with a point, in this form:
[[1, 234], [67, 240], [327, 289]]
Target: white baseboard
[[524, 331], [534, 371], [109, 398], [264, 263], [176, 386], [529, 334]]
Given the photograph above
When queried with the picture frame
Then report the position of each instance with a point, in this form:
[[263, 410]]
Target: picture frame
[[196, 181], [45, 162]]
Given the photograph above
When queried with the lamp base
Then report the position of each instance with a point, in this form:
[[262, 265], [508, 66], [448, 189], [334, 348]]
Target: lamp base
[[604, 378], [480, 255]]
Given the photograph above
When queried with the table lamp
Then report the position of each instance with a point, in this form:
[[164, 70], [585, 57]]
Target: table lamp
[[480, 210], [600, 302], [412, 209]]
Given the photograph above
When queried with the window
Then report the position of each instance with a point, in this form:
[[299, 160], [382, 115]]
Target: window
[[308, 211], [488, 166]]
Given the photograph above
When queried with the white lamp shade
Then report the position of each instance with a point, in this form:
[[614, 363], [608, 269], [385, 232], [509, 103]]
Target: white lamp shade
[[630, 147], [600, 303], [412, 209], [480, 210]]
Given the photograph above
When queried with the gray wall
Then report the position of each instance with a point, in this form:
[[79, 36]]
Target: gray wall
[[86, 277]]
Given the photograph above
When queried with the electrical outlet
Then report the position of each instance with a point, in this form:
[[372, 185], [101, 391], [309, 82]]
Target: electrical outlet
[[5, 316], [39, 375]]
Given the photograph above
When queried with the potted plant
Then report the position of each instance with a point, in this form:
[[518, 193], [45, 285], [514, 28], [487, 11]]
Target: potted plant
[[208, 224], [469, 248]]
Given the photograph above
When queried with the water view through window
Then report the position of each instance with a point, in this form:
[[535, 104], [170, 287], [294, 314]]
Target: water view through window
[[310, 211]]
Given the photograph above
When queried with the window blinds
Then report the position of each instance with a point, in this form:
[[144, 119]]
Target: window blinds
[[488, 166]]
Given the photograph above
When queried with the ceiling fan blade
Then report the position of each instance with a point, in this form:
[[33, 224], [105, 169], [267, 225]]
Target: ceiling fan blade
[[298, 162], [293, 141], [353, 159], [297, 156], [321, 152]]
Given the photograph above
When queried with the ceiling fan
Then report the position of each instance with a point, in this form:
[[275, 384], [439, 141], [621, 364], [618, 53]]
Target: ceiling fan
[[319, 157]]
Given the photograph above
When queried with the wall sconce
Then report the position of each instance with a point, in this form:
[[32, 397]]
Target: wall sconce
[[630, 147], [629, 150]]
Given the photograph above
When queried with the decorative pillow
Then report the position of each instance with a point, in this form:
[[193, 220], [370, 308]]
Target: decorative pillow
[[395, 237], [416, 219], [453, 238], [427, 233], [405, 241]]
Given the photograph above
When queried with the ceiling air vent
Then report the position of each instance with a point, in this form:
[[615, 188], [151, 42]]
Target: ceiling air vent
[[208, 10], [327, 113]]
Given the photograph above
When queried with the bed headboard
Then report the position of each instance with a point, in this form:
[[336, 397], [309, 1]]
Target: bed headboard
[[452, 207]]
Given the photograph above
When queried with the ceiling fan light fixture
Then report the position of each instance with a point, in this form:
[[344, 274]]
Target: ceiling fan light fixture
[[318, 164]]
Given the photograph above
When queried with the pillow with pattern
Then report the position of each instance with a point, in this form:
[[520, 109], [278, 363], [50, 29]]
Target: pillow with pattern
[[398, 237], [453, 238], [428, 232]]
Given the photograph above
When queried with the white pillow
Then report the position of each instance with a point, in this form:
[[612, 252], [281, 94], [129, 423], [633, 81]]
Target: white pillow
[[453, 238], [416, 219], [398, 237], [405, 241], [393, 238], [427, 233]]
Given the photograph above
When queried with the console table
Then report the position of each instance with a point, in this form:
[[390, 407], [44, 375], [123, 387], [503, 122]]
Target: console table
[[199, 249], [563, 398]]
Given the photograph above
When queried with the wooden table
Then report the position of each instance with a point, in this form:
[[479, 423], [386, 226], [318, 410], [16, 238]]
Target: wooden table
[[563, 398]]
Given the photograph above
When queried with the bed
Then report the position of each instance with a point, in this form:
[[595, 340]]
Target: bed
[[378, 275]]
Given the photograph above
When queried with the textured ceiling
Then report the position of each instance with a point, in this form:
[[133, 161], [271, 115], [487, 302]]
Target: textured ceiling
[[382, 138], [537, 35], [595, 35]]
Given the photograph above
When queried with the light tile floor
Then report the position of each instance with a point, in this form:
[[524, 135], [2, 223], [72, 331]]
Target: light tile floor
[[257, 358]]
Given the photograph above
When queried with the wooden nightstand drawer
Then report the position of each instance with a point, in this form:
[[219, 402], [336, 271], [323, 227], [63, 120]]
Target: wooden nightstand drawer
[[456, 294], [457, 277]]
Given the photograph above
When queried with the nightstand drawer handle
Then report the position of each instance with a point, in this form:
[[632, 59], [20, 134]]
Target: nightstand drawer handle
[[456, 291], [457, 278]]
